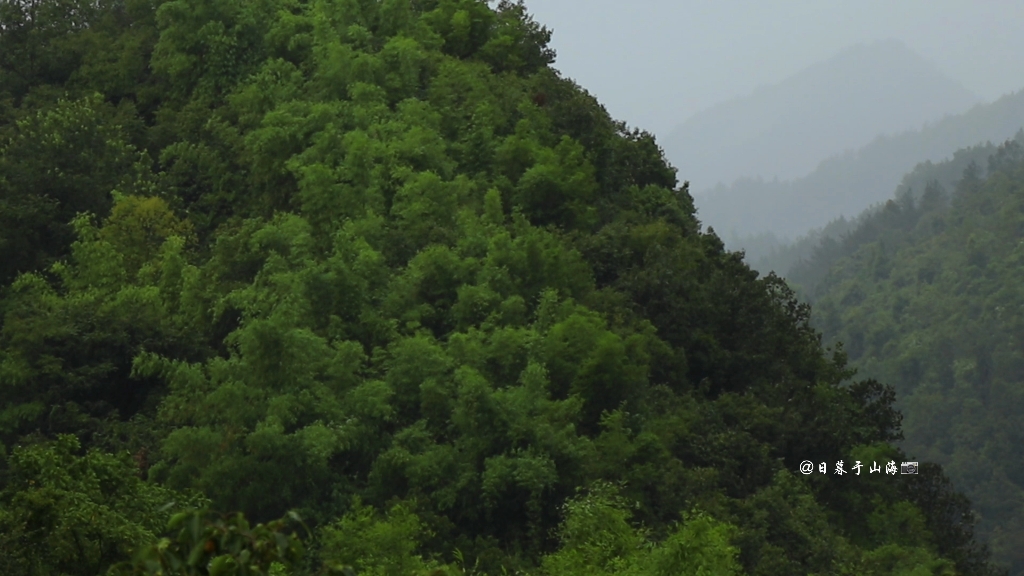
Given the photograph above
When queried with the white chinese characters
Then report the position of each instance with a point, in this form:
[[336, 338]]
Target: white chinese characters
[[807, 467]]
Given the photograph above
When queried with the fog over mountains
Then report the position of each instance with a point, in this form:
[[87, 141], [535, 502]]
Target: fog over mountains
[[784, 130], [848, 183]]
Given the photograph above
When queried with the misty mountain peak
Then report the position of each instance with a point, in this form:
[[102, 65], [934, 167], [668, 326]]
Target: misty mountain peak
[[784, 130]]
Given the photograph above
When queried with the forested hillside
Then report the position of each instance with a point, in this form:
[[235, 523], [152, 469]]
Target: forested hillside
[[925, 293], [374, 275], [848, 183], [807, 259]]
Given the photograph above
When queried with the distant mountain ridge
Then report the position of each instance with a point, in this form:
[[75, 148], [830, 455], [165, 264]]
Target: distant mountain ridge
[[806, 262], [847, 184], [784, 130]]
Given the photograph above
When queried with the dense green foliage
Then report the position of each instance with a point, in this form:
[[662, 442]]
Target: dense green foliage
[[227, 546], [925, 293], [67, 514], [378, 263]]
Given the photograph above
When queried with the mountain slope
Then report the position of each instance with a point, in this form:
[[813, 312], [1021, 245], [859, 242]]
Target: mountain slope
[[784, 130], [806, 260], [925, 294], [846, 185], [378, 262]]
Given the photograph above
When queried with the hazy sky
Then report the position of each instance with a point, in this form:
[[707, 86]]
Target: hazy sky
[[653, 63]]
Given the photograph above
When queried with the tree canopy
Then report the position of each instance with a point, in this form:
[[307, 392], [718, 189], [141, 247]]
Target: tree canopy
[[924, 295], [377, 263]]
